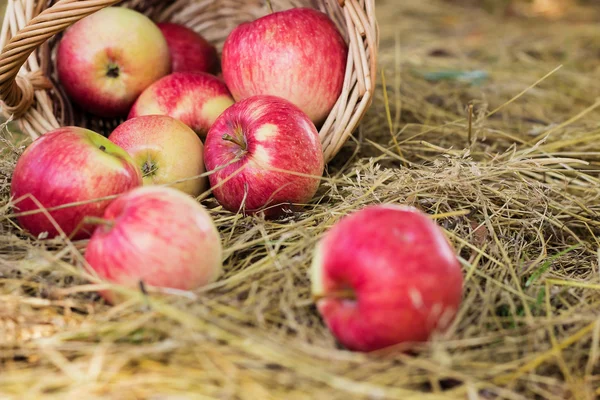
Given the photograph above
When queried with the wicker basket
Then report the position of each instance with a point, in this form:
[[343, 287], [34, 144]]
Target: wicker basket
[[32, 95]]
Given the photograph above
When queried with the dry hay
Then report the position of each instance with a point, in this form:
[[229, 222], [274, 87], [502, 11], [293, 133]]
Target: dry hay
[[519, 200]]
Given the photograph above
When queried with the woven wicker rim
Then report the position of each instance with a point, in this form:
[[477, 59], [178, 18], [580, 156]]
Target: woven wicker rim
[[30, 95]]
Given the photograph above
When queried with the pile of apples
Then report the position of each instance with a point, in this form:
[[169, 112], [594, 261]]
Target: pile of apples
[[248, 120]]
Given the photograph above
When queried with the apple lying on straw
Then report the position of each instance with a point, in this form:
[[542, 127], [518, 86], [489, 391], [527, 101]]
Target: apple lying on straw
[[264, 155], [386, 275], [157, 236]]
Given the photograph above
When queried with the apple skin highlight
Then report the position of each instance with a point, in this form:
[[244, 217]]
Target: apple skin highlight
[[386, 275]]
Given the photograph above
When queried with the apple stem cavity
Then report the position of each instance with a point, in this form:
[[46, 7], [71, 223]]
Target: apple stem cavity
[[148, 168], [112, 71], [232, 139], [346, 294]]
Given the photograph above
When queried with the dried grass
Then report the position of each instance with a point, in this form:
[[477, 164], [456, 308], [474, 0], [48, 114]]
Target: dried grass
[[515, 187]]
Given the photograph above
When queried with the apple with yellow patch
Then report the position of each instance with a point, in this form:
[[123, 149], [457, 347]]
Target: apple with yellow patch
[[264, 155], [194, 98], [166, 151], [106, 60]]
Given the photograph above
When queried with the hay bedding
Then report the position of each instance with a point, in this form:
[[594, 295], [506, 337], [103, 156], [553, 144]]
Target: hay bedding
[[520, 201]]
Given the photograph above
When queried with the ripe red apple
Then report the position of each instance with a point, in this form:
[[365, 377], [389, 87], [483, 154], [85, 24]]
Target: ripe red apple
[[264, 153], [190, 52], [296, 54], [386, 275], [157, 235], [196, 99], [165, 149], [69, 165], [107, 59]]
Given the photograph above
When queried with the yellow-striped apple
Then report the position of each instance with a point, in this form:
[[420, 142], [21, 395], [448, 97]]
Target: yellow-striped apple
[[196, 99], [264, 154], [65, 166], [190, 52], [156, 235], [386, 275], [297, 54], [107, 59], [166, 151]]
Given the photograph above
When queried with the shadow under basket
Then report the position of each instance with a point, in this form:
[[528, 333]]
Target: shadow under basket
[[32, 96]]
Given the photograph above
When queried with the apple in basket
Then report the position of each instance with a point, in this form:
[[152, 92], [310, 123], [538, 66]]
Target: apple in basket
[[264, 154], [107, 59], [297, 54], [166, 151], [65, 166], [196, 99], [190, 52], [157, 235], [386, 275]]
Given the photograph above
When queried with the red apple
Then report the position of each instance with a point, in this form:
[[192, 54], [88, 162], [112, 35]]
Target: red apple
[[386, 275], [157, 235], [264, 153], [196, 99], [296, 54], [107, 59], [165, 149], [190, 52], [69, 165]]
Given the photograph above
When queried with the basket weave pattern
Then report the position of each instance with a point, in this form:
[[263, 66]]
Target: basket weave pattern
[[31, 94]]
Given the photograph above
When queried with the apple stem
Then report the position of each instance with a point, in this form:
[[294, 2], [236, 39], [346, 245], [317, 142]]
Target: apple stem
[[347, 294], [270, 6], [232, 139], [143, 287], [98, 221], [102, 148]]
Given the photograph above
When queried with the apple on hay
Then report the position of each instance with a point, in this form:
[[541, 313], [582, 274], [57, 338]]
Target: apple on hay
[[264, 155], [72, 168], [386, 275], [158, 236]]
